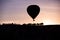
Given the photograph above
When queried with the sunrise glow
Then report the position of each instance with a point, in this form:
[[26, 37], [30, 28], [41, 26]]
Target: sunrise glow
[[14, 11], [48, 22]]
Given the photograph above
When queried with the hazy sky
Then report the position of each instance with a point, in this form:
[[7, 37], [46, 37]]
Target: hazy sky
[[14, 11]]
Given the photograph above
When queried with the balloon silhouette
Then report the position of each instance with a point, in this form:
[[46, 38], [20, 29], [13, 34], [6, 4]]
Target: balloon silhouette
[[33, 11]]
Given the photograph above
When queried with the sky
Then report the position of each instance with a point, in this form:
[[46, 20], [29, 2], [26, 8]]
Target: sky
[[14, 11]]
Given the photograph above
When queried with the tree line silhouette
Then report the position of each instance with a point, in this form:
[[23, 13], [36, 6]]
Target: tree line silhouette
[[29, 32]]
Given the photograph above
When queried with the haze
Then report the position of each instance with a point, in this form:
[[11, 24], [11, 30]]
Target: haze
[[14, 11]]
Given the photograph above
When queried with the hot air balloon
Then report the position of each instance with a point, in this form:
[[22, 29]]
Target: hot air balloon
[[33, 11]]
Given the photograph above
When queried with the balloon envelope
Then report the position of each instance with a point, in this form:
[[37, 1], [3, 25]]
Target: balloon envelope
[[33, 11]]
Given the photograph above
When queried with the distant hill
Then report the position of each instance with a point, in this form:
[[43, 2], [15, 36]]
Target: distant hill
[[29, 32]]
